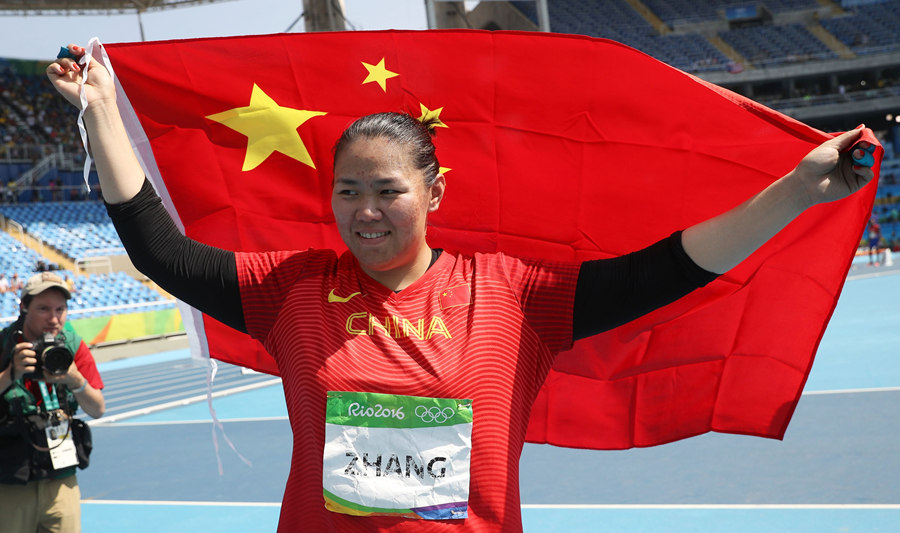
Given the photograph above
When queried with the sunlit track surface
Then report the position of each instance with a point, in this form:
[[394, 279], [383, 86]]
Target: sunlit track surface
[[144, 389]]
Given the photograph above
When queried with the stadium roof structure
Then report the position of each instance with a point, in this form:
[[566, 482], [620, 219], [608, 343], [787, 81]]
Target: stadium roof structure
[[92, 7]]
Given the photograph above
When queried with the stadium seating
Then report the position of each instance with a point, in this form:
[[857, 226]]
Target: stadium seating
[[617, 20], [16, 257], [866, 29], [32, 108], [95, 295], [674, 12], [887, 203], [75, 229], [768, 46], [113, 293]]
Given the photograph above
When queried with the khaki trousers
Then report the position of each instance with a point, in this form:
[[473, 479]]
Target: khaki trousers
[[43, 506]]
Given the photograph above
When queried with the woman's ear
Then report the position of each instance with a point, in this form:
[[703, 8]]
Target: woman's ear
[[437, 193]]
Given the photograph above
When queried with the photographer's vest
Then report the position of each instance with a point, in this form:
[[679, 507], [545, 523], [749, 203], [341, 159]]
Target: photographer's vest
[[23, 419]]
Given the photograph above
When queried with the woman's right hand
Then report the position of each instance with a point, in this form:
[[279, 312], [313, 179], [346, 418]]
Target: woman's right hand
[[117, 166], [65, 74]]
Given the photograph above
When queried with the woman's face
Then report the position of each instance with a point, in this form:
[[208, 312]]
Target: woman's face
[[381, 204]]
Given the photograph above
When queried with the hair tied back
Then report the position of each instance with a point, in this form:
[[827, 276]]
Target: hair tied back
[[431, 124]]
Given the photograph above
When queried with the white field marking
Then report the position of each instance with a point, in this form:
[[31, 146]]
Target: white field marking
[[179, 403], [850, 391], [181, 503], [722, 507], [184, 422], [537, 506], [869, 275]]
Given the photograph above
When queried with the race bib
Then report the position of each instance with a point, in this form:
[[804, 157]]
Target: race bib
[[389, 455]]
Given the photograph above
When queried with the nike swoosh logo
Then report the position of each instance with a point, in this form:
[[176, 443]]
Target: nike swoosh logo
[[334, 298]]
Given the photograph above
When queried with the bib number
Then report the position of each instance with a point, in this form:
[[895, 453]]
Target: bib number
[[390, 455]]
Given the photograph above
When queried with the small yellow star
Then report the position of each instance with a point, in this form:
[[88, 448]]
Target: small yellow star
[[379, 74], [435, 115], [269, 128], [444, 170]]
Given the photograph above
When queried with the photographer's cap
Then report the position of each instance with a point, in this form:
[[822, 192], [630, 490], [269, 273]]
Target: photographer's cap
[[39, 283]]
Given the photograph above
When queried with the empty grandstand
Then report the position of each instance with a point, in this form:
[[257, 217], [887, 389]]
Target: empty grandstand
[[68, 237], [820, 61]]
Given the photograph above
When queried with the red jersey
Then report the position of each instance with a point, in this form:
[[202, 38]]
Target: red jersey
[[485, 327], [87, 366]]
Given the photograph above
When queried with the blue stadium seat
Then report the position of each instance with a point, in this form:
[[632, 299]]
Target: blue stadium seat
[[75, 229], [868, 29], [767, 46]]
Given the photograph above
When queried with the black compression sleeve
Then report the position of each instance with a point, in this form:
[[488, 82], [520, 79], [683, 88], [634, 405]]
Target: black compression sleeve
[[202, 276], [611, 292]]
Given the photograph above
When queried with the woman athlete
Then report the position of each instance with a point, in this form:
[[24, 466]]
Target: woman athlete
[[396, 318]]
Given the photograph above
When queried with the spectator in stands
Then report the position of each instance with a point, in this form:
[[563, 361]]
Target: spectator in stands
[[12, 192], [43, 266], [4, 283], [32, 118], [39, 491], [15, 284], [70, 284], [35, 192]]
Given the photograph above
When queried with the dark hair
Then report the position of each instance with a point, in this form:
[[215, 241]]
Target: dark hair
[[399, 127]]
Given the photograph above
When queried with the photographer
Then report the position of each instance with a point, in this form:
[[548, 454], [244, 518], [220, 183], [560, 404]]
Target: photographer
[[47, 372]]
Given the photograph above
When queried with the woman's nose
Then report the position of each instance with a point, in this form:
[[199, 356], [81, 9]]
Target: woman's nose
[[368, 211]]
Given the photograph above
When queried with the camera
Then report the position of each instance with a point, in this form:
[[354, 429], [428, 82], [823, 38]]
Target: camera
[[53, 358]]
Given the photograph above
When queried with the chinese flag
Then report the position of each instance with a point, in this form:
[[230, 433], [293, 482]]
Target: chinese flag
[[556, 146]]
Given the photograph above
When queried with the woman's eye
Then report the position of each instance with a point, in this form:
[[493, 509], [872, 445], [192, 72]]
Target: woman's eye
[[346, 192]]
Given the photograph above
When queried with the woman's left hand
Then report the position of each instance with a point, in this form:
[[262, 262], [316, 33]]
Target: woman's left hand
[[829, 172]]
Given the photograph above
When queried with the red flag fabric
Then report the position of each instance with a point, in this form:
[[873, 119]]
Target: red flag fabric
[[555, 146]]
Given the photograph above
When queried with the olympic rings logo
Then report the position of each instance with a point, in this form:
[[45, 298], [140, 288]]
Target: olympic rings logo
[[434, 414]]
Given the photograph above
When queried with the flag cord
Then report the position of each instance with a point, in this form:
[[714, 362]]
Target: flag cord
[[85, 61], [210, 377]]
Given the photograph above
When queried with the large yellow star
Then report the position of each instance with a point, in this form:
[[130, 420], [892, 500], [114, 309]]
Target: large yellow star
[[435, 115], [269, 128], [379, 74]]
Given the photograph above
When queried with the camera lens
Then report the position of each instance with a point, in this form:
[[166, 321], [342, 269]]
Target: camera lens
[[56, 360]]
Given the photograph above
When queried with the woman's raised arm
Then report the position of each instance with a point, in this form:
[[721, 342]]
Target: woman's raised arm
[[825, 174], [203, 276]]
